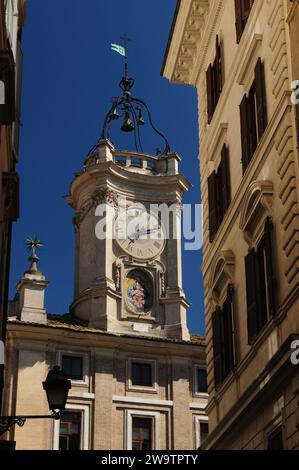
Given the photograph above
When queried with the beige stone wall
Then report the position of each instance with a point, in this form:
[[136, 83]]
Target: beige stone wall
[[293, 21], [106, 394], [191, 50]]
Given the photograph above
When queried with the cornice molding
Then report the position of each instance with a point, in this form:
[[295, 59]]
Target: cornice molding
[[184, 45]]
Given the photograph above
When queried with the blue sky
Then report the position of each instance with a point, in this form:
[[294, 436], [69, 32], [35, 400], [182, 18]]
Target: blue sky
[[70, 75]]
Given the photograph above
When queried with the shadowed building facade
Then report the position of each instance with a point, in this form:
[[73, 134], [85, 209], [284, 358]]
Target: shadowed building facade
[[12, 19], [242, 57]]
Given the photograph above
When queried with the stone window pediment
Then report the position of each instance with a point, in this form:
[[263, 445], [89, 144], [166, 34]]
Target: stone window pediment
[[256, 207], [222, 274]]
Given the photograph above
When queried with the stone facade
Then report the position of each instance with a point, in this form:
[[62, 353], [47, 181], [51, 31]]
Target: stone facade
[[12, 18], [258, 397], [137, 366], [104, 397]]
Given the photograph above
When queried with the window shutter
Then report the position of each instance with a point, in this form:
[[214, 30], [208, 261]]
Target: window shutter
[[217, 350], [11, 196], [251, 119], [239, 24], [218, 67], [270, 265], [244, 132], [210, 80], [261, 102], [219, 202], [225, 179], [246, 7], [7, 76], [228, 349], [251, 295], [212, 205]]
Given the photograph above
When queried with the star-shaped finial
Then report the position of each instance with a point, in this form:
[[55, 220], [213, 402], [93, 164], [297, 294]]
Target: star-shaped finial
[[33, 244]]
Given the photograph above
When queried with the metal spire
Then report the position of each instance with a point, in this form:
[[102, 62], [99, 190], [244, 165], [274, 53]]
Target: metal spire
[[125, 40], [132, 109]]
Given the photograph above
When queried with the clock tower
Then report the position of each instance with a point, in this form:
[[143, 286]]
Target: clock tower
[[128, 268]]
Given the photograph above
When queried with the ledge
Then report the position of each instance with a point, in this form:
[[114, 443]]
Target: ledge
[[141, 401]]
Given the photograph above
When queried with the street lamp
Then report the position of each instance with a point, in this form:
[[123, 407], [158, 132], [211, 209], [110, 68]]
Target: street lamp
[[56, 386]]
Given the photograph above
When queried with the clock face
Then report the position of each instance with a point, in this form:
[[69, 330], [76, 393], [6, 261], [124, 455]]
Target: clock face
[[139, 233]]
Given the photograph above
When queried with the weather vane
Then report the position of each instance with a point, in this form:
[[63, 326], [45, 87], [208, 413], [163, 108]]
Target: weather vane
[[129, 107]]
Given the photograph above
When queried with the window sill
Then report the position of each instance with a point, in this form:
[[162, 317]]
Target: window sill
[[142, 389], [204, 395]]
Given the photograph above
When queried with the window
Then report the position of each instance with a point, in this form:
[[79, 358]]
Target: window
[[275, 440], [70, 431], [219, 193], [260, 284], [223, 339], [10, 182], [142, 430], [7, 77], [214, 79], [200, 380], [253, 115], [203, 431], [141, 374], [72, 367], [242, 10], [142, 433]]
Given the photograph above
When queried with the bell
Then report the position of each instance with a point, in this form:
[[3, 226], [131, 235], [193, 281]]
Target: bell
[[127, 124], [140, 120], [114, 115]]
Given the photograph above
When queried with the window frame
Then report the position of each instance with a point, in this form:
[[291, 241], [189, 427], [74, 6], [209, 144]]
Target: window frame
[[195, 381], [142, 388], [197, 421], [85, 365], [156, 429], [85, 426], [69, 425], [71, 356], [151, 426]]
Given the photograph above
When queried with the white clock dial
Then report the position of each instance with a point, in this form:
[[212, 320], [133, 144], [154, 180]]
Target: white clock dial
[[139, 234]]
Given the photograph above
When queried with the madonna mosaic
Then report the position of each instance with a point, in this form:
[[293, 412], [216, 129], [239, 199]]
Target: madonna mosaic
[[139, 291]]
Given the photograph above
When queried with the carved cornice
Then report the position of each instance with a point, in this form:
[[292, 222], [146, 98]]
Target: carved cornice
[[186, 37], [99, 196]]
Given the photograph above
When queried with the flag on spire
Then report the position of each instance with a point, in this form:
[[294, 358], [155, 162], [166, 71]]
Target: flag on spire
[[120, 49]]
